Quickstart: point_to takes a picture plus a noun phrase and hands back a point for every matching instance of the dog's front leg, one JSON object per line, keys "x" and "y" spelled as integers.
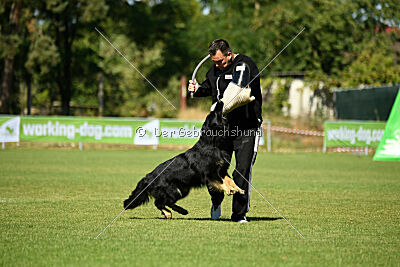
{"x": 228, "y": 186}
{"x": 220, "y": 186}
{"x": 233, "y": 188}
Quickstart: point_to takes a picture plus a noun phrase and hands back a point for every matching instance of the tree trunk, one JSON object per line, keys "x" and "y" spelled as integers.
{"x": 29, "y": 96}
{"x": 101, "y": 94}
{"x": 6, "y": 85}
{"x": 66, "y": 93}
{"x": 8, "y": 71}
{"x": 182, "y": 102}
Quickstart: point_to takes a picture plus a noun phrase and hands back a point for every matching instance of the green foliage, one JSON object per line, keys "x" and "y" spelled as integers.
{"x": 373, "y": 66}
{"x": 55, "y": 46}
{"x": 161, "y": 106}
{"x": 43, "y": 56}
{"x": 9, "y": 45}
{"x": 43, "y": 59}
{"x": 276, "y": 93}
{"x": 125, "y": 89}
{"x": 42, "y": 99}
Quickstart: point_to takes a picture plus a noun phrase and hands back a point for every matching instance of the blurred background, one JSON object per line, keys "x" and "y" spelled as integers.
{"x": 54, "y": 62}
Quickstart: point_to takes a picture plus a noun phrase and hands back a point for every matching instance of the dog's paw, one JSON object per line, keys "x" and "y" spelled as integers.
{"x": 241, "y": 191}
{"x": 235, "y": 190}
{"x": 167, "y": 214}
{"x": 232, "y": 187}
{"x": 185, "y": 212}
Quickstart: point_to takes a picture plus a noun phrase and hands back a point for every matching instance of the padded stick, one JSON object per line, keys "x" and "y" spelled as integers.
{"x": 196, "y": 69}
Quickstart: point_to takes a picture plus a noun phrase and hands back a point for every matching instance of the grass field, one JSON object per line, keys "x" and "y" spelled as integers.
{"x": 54, "y": 202}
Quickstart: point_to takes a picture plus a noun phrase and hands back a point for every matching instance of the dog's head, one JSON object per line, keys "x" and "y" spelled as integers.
{"x": 215, "y": 128}
{"x": 216, "y": 120}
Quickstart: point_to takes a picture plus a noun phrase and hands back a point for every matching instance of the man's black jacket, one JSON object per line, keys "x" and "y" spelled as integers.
{"x": 244, "y": 117}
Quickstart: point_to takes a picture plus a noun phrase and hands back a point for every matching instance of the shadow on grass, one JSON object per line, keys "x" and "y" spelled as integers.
{"x": 250, "y": 219}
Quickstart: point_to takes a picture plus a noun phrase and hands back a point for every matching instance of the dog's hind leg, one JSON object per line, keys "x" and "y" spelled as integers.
{"x": 164, "y": 211}
{"x": 178, "y": 209}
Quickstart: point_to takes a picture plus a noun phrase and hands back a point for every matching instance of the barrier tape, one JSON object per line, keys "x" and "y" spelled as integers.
{"x": 296, "y": 131}
{"x": 349, "y": 149}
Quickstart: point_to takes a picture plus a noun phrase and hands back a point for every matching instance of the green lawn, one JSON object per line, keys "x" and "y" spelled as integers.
{"x": 54, "y": 202}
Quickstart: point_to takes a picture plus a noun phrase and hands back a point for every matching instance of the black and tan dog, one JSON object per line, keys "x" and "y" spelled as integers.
{"x": 203, "y": 164}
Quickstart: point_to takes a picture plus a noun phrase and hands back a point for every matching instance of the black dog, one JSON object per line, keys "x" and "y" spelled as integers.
{"x": 203, "y": 164}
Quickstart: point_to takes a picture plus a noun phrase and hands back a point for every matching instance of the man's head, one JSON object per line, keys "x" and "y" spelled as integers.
{"x": 221, "y": 53}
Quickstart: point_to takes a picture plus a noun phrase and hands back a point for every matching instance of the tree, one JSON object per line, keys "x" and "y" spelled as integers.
{"x": 43, "y": 58}
{"x": 65, "y": 21}
{"x": 52, "y": 45}
{"x": 10, "y": 40}
{"x": 374, "y": 66}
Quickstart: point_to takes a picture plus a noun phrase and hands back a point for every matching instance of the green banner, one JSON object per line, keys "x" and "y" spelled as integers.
{"x": 109, "y": 130}
{"x": 353, "y": 133}
{"x": 179, "y": 132}
{"x": 99, "y": 130}
{"x": 79, "y": 129}
{"x": 389, "y": 147}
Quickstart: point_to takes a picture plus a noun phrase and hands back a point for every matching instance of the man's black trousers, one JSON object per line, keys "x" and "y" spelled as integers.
{"x": 245, "y": 147}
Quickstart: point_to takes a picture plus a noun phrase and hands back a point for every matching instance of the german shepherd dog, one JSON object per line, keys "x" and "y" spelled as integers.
{"x": 203, "y": 164}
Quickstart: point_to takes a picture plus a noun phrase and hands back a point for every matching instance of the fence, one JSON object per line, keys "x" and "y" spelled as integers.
{"x": 338, "y": 136}
{"x": 285, "y": 139}
{"x": 374, "y": 103}
{"x": 343, "y": 136}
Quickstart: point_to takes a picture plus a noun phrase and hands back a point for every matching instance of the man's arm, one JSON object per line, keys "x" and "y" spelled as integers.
{"x": 256, "y": 90}
{"x": 200, "y": 90}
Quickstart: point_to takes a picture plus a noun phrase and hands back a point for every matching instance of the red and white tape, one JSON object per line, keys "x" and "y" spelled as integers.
{"x": 350, "y": 149}
{"x": 296, "y": 131}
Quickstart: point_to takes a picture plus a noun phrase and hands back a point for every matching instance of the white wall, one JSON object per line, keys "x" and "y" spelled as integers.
{"x": 302, "y": 102}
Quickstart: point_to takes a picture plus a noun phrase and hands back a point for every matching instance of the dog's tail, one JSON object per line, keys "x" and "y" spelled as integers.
{"x": 138, "y": 196}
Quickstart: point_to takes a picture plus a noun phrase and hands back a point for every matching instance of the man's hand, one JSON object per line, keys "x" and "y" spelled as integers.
{"x": 193, "y": 86}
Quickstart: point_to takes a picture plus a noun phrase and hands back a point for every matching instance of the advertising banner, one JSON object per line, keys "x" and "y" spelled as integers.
{"x": 389, "y": 147}
{"x": 188, "y": 132}
{"x": 80, "y": 129}
{"x": 9, "y": 129}
{"x": 179, "y": 132}
{"x": 110, "y": 130}
{"x": 100, "y": 130}
{"x": 353, "y": 133}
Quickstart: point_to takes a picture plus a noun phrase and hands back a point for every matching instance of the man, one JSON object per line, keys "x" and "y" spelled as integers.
{"x": 244, "y": 122}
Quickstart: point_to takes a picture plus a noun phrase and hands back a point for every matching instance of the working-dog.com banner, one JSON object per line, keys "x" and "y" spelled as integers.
{"x": 353, "y": 133}
{"x": 104, "y": 130}
{"x": 100, "y": 130}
